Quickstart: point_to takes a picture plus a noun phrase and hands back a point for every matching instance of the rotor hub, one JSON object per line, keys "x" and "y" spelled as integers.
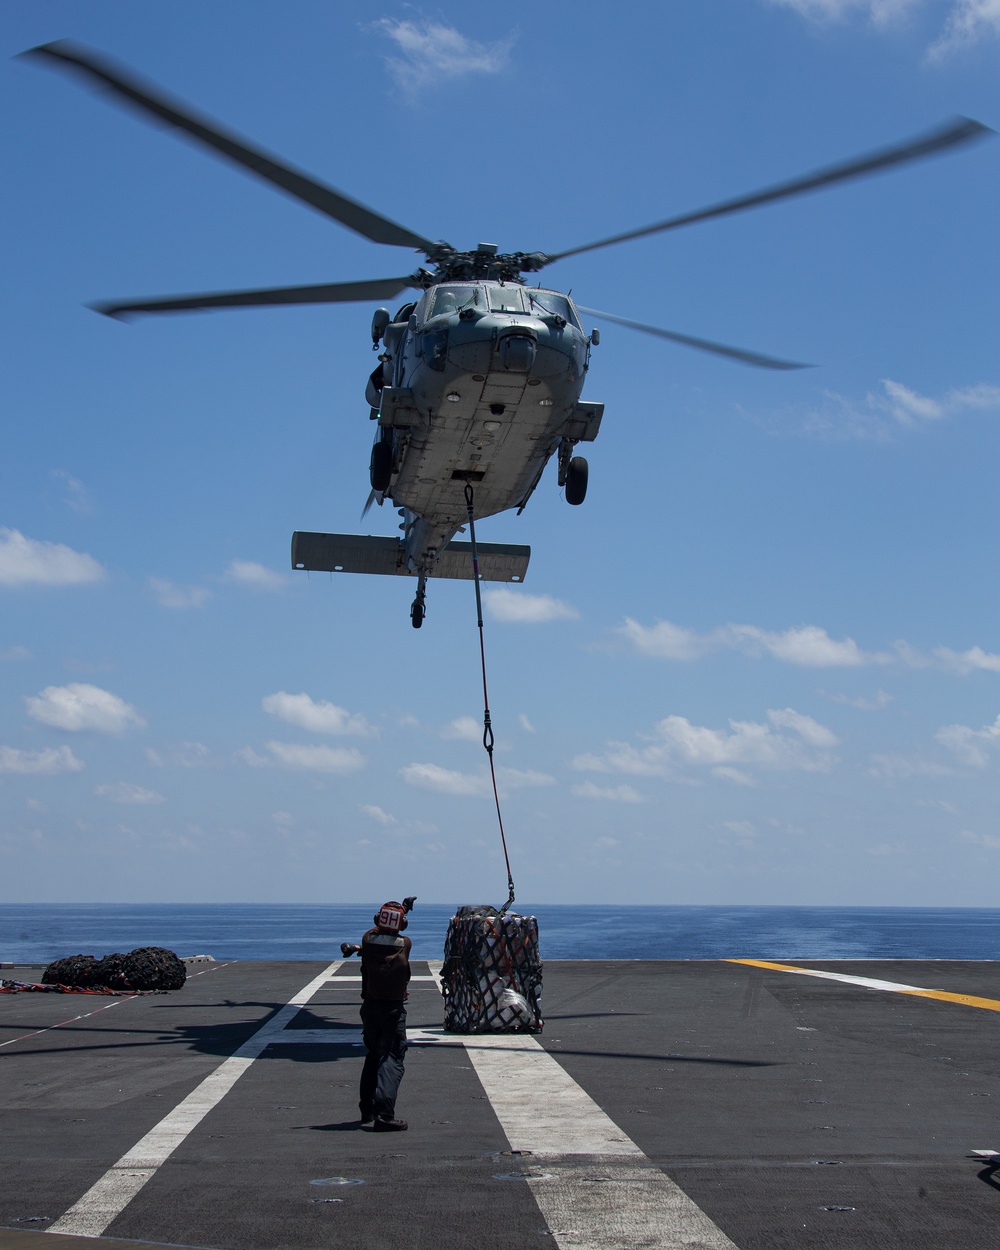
{"x": 481, "y": 265}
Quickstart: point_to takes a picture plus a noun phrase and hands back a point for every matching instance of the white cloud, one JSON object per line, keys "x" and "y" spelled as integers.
{"x": 806, "y": 646}
{"x": 377, "y": 814}
{"x": 126, "y": 792}
{"x": 34, "y": 562}
{"x": 965, "y": 662}
{"x": 971, "y": 747}
{"x": 876, "y": 704}
{"x": 517, "y": 607}
{"x": 909, "y": 408}
{"x": 887, "y": 848}
{"x": 676, "y": 745}
{"x": 255, "y": 760}
{"x": 879, "y": 12}
{"x": 169, "y": 595}
{"x": 943, "y": 805}
{"x": 989, "y": 840}
{"x": 182, "y": 754}
{"x": 317, "y": 759}
{"x": 39, "y": 763}
{"x": 450, "y": 781}
{"x": 736, "y": 775}
{"x": 898, "y": 767}
{"x": 318, "y": 717}
{"x": 432, "y": 53}
{"x": 613, "y": 794}
{"x": 809, "y": 730}
{"x": 256, "y": 576}
{"x": 79, "y": 707}
{"x": 968, "y": 22}
{"x": 465, "y": 728}
{"x": 13, "y": 654}
{"x": 667, "y": 641}
{"x": 526, "y": 724}
{"x": 77, "y": 495}
{"x": 879, "y": 417}
{"x": 518, "y": 779}
{"x": 444, "y": 780}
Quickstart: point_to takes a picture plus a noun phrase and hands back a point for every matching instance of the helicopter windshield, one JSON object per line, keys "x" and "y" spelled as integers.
{"x": 449, "y": 299}
{"x": 505, "y": 299}
{"x": 553, "y": 303}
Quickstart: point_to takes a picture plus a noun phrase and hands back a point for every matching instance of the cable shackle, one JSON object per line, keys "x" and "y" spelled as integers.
{"x": 488, "y": 739}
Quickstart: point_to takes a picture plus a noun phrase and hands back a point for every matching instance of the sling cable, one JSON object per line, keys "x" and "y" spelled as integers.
{"x": 487, "y": 723}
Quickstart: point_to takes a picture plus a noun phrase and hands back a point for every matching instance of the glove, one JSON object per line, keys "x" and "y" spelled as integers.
{"x": 347, "y": 950}
{"x": 408, "y": 902}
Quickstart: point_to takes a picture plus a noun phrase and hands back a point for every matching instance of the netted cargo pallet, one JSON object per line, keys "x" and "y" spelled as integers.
{"x": 145, "y": 968}
{"x": 492, "y": 975}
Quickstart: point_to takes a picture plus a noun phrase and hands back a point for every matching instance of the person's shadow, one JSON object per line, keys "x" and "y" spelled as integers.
{"x": 989, "y": 1174}
{"x": 344, "y": 1126}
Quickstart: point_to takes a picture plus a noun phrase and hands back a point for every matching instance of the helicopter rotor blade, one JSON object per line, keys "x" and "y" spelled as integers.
{"x": 953, "y": 134}
{"x": 324, "y": 293}
{"x": 374, "y": 496}
{"x": 702, "y": 345}
{"x": 150, "y": 101}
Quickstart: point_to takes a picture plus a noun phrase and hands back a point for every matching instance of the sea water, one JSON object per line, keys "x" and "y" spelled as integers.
{"x": 37, "y": 933}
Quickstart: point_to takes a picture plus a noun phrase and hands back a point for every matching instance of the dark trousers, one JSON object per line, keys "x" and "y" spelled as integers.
{"x": 384, "y": 1031}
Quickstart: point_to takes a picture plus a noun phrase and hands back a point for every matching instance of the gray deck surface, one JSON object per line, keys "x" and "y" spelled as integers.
{"x": 737, "y": 1082}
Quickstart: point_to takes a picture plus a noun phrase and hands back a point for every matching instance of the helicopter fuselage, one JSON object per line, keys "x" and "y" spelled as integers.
{"x": 479, "y": 379}
{"x": 480, "y": 383}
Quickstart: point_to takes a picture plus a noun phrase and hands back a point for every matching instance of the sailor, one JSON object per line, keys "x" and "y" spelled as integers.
{"x": 385, "y": 973}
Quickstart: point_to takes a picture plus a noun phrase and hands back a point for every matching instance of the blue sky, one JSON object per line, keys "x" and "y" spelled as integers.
{"x": 761, "y": 663}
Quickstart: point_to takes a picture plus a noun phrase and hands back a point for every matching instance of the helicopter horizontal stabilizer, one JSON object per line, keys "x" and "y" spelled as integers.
{"x": 361, "y": 553}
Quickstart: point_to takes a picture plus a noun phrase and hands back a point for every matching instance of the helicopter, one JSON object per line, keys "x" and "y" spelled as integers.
{"x": 479, "y": 379}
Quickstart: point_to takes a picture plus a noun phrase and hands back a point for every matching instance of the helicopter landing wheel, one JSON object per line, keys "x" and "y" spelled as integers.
{"x": 380, "y": 467}
{"x": 576, "y": 480}
{"x": 417, "y": 613}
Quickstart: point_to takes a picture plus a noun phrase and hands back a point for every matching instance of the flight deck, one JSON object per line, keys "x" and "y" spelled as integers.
{"x": 699, "y": 1104}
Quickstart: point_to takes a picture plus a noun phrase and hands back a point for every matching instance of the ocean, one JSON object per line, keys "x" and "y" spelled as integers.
{"x": 37, "y": 933}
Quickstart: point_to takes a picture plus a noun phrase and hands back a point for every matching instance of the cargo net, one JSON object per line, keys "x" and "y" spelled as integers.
{"x": 492, "y": 975}
{"x": 147, "y": 969}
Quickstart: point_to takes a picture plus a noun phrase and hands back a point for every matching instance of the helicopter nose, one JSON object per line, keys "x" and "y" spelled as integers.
{"x": 517, "y": 353}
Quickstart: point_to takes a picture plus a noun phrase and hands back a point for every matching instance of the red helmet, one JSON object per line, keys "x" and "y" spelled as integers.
{"x": 390, "y": 917}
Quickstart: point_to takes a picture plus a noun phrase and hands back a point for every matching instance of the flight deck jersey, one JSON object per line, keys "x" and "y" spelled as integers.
{"x": 385, "y": 966}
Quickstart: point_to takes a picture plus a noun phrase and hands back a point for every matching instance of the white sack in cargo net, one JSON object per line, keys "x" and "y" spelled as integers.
{"x": 492, "y": 975}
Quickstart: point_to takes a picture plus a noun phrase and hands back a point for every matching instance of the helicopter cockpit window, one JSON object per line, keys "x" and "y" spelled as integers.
{"x": 449, "y": 299}
{"x": 554, "y": 304}
{"x": 505, "y": 299}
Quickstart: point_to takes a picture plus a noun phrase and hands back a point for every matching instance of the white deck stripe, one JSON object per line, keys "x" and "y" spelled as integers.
{"x": 106, "y": 1199}
{"x": 595, "y": 1188}
{"x": 338, "y": 980}
{"x": 870, "y": 983}
{"x": 541, "y": 1107}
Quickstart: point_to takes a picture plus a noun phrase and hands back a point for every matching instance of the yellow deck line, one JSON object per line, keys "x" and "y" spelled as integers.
{"x": 944, "y": 996}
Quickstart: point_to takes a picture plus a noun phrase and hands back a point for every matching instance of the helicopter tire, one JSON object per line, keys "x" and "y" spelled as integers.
{"x": 417, "y": 612}
{"x": 380, "y": 466}
{"x": 576, "y": 480}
